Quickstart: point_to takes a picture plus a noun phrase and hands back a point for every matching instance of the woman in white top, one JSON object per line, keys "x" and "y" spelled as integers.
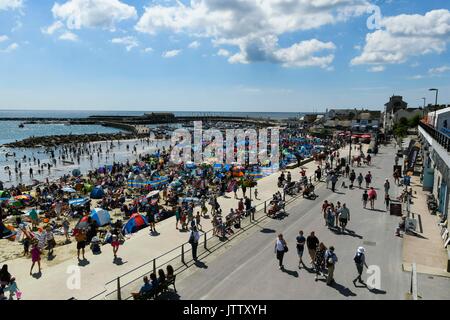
{"x": 280, "y": 249}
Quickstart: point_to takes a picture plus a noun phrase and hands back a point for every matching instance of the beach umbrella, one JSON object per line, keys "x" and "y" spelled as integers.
{"x": 14, "y": 203}
{"x": 153, "y": 193}
{"x": 24, "y": 197}
{"x": 6, "y": 232}
{"x": 135, "y": 223}
{"x": 101, "y": 216}
{"x": 76, "y": 172}
{"x": 68, "y": 190}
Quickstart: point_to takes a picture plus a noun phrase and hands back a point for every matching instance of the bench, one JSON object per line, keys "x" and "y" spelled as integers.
{"x": 154, "y": 293}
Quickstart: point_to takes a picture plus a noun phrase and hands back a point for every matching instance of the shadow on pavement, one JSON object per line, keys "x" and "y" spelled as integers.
{"x": 37, "y": 275}
{"x": 377, "y": 291}
{"x": 83, "y": 263}
{"x": 266, "y": 230}
{"x": 118, "y": 261}
{"x": 347, "y": 232}
{"x": 346, "y": 292}
{"x": 200, "y": 264}
{"x": 290, "y": 272}
{"x": 154, "y": 233}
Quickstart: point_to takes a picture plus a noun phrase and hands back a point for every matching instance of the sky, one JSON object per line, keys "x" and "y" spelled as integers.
{"x": 222, "y": 55}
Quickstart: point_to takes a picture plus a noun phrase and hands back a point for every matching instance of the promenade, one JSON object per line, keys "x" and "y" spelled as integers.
{"x": 249, "y": 270}
{"x": 139, "y": 249}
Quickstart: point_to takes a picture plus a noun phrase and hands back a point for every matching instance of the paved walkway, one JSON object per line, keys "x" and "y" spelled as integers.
{"x": 139, "y": 249}
{"x": 248, "y": 270}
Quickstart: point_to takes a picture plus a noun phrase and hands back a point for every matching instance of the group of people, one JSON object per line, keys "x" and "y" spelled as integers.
{"x": 155, "y": 283}
{"x": 323, "y": 259}
{"x": 336, "y": 216}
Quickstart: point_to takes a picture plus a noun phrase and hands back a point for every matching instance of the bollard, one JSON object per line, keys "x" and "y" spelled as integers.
{"x": 119, "y": 295}
{"x": 154, "y": 266}
{"x": 265, "y": 206}
{"x": 205, "y": 241}
{"x": 284, "y": 195}
{"x": 182, "y": 254}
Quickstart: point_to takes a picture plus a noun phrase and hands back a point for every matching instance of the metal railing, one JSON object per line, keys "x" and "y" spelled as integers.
{"x": 441, "y": 138}
{"x": 209, "y": 241}
{"x": 178, "y": 258}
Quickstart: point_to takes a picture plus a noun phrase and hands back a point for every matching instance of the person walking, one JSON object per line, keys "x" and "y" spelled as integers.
{"x": 360, "y": 262}
{"x": 235, "y": 189}
{"x": 331, "y": 259}
{"x": 344, "y": 217}
{"x": 368, "y": 179}
{"x": 360, "y": 180}
{"x": 365, "y": 197}
{"x": 334, "y": 180}
{"x": 319, "y": 261}
{"x": 280, "y": 249}
{"x": 115, "y": 245}
{"x": 387, "y": 186}
{"x": 387, "y": 201}
{"x": 35, "y": 258}
{"x": 312, "y": 242}
{"x": 194, "y": 237}
{"x": 300, "y": 248}
{"x": 372, "y": 197}
{"x": 198, "y": 221}
{"x": 352, "y": 178}
{"x": 324, "y": 211}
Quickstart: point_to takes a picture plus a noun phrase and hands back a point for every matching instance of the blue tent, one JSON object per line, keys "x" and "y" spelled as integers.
{"x": 101, "y": 216}
{"x": 97, "y": 193}
{"x": 78, "y": 202}
{"x": 135, "y": 223}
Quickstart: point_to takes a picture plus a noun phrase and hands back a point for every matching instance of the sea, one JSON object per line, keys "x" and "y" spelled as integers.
{"x": 10, "y": 132}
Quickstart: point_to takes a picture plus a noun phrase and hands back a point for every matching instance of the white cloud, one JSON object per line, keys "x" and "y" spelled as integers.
{"x": 416, "y": 77}
{"x": 223, "y": 53}
{"x": 103, "y": 14}
{"x": 439, "y": 70}
{"x": 405, "y": 36}
{"x": 377, "y": 69}
{"x": 57, "y": 25}
{"x": 10, "y": 4}
{"x": 12, "y": 47}
{"x": 194, "y": 45}
{"x": 128, "y": 42}
{"x": 254, "y": 25}
{"x": 68, "y": 36}
{"x": 148, "y": 50}
{"x": 4, "y": 38}
{"x": 171, "y": 53}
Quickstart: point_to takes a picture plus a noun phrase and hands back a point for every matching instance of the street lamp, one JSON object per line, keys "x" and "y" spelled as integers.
{"x": 424, "y": 103}
{"x": 435, "y": 105}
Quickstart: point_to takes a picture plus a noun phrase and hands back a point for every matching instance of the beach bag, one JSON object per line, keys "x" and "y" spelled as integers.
{"x": 191, "y": 238}
{"x": 286, "y": 249}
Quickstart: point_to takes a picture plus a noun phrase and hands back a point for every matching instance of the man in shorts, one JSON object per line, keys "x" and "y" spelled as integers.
{"x": 81, "y": 242}
{"x": 300, "y": 248}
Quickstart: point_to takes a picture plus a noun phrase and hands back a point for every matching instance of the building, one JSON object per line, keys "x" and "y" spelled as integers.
{"x": 395, "y": 104}
{"x": 366, "y": 121}
{"x": 436, "y": 160}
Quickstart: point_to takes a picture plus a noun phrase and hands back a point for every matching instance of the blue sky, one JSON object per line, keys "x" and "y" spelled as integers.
{"x": 221, "y": 55}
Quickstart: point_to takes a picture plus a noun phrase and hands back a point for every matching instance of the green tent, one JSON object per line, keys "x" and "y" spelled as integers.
{"x": 4, "y": 194}
{"x": 88, "y": 187}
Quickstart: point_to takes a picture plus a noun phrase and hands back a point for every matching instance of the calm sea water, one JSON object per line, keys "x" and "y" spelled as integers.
{"x": 82, "y": 114}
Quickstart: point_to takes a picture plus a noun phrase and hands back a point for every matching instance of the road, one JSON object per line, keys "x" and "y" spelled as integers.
{"x": 249, "y": 270}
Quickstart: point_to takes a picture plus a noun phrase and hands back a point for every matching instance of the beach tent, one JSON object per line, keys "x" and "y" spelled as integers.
{"x": 88, "y": 187}
{"x": 76, "y": 172}
{"x": 101, "y": 216}
{"x": 97, "y": 193}
{"x": 190, "y": 165}
{"x": 4, "y": 194}
{"x": 33, "y": 214}
{"x": 68, "y": 190}
{"x": 78, "y": 202}
{"x": 135, "y": 223}
{"x": 83, "y": 223}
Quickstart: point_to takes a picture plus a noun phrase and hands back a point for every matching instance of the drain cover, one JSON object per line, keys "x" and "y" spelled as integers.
{"x": 370, "y": 243}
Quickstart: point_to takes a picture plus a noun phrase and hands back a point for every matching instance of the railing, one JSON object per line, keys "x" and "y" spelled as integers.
{"x": 441, "y": 138}
{"x": 179, "y": 257}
